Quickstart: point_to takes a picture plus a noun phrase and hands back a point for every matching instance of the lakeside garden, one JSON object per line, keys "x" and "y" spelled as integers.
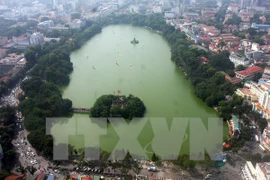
{"x": 51, "y": 68}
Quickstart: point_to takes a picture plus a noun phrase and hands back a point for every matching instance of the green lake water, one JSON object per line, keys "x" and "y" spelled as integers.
{"x": 109, "y": 62}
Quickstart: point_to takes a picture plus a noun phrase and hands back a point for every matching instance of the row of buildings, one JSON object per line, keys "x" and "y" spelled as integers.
{"x": 22, "y": 42}
{"x": 258, "y": 3}
{"x": 257, "y": 94}
{"x": 261, "y": 171}
{"x": 39, "y": 175}
{"x": 10, "y": 65}
{"x": 73, "y": 24}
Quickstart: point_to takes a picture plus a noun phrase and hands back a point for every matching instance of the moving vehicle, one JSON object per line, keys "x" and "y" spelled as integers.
{"x": 56, "y": 171}
{"x": 152, "y": 169}
{"x": 256, "y": 138}
{"x": 262, "y": 148}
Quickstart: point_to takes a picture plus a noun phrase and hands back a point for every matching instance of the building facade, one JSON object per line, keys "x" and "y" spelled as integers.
{"x": 263, "y": 171}
{"x": 248, "y": 171}
{"x": 77, "y": 24}
{"x": 260, "y": 27}
{"x": 248, "y": 73}
{"x": 244, "y": 4}
{"x": 36, "y": 39}
{"x": 45, "y": 24}
{"x": 237, "y": 59}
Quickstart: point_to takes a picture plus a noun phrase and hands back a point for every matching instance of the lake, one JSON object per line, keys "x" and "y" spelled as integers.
{"x": 108, "y": 64}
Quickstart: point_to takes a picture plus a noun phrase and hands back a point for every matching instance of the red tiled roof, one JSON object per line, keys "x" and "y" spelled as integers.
{"x": 203, "y": 59}
{"x": 86, "y": 178}
{"x": 204, "y": 38}
{"x": 232, "y": 50}
{"x": 246, "y": 91}
{"x": 249, "y": 71}
{"x": 235, "y": 80}
{"x": 14, "y": 177}
{"x": 39, "y": 176}
{"x": 245, "y": 19}
{"x": 235, "y": 42}
{"x": 266, "y": 85}
{"x": 5, "y": 78}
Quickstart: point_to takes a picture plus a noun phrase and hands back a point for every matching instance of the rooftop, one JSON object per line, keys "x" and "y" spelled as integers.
{"x": 249, "y": 71}
{"x": 203, "y": 59}
{"x": 266, "y": 85}
{"x": 14, "y": 177}
{"x": 246, "y": 91}
{"x": 265, "y": 168}
{"x": 234, "y": 5}
{"x": 40, "y": 176}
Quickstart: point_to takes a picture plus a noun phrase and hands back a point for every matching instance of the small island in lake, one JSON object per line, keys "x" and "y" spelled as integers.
{"x": 134, "y": 41}
{"x": 118, "y": 106}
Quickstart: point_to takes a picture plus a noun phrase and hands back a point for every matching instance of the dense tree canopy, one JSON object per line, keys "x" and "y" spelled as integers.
{"x": 126, "y": 107}
{"x": 75, "y": 16}
{"x": 42, "y": 97}
{"x": 7, "y": 133}
{"x": 236, "y": 20}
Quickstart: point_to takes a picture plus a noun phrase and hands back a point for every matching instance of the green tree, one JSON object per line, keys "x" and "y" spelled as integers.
{"x": 155, "y": 158}
{"x": 75, "y": 16}
{"x": 240, "y": 68}
{"x": 44, "y": 19}
{"x": 251, "y": 32}
{"x": 256, "y": 158}
{"x": 137, "y": 168}
{"x": 234, "y": 20}
{"x": 266, "y": 158}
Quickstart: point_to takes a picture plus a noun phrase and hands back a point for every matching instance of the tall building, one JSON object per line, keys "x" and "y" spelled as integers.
{"x": 248, "y": 171}
{"x": 36, "y": 39}
{"x": 55, "y": 4}
{"x": 245, "y": 3}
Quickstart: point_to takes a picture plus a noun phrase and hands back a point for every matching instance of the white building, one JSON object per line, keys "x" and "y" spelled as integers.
{"x": 46, "y": 24}
{"x": 255, "y": 47}
{"x": 36, "y": 39}
{"x": 55, "y": 4}
{"x": 263, "y": 171}
{"x": 262, "y": 92}
{"x": 21, "y": 63}
{"x": 248, "y": 172}
{"x": 157, "y": 9}
{"x": 169, "y": 15}
{"x": 237, "y": 59}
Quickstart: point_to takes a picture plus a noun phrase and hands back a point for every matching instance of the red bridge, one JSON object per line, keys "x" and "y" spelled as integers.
{"x": 81, "y": 110}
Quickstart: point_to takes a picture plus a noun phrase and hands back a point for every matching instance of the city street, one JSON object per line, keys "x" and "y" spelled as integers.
{"x": 27, "y": 155}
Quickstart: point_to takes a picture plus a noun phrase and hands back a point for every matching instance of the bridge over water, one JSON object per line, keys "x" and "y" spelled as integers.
{"x": 81, "y": 110}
